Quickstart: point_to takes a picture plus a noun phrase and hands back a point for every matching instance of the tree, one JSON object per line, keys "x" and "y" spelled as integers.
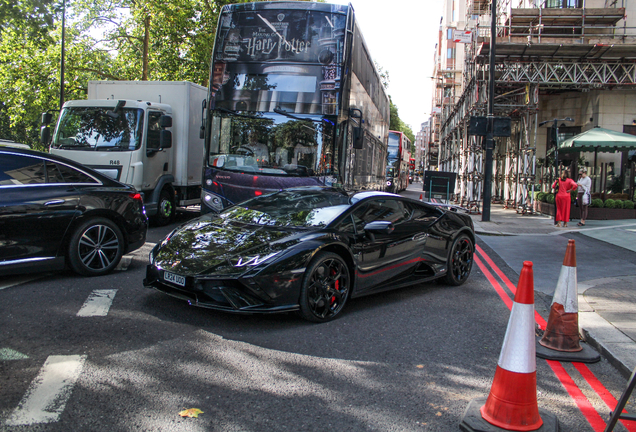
{"x": 29, "y": 78}
{"x": 35, "y": 17}
{"x": 397, "y": 124}
{"x": 384, "y": 75}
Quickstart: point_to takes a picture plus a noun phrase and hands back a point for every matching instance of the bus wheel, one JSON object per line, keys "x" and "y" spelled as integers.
{"x": 165, "y": 209}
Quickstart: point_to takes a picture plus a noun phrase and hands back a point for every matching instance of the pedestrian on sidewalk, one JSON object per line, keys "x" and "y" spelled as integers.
{"x": 583, "y": 196}
{"x": 562, "y": 187}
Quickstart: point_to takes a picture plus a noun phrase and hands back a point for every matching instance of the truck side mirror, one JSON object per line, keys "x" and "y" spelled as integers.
{"x": 47, "y": 118}
{"x": 45, "y": 135}
{"x": 358, "y": 137}
{"x": 165, "y": 138}
{"x": 165, "y": 121}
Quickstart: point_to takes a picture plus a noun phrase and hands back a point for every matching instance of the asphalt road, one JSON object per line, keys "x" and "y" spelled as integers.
{"x": 407, "y": 360}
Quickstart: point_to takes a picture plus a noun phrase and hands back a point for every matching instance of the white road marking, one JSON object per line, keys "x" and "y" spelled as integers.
{"x": 98, "y": 303}
{"x": 48, "y": 393}
{"x": 9, "y": 354}
{"x": 124, "y": 263}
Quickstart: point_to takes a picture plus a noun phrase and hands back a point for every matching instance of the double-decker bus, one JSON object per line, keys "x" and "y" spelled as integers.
{"x": 397, "y": 167}
{"x": 294, "y": 100}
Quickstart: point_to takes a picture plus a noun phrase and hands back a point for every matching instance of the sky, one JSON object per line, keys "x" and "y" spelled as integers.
{"x": 401, "y": 37}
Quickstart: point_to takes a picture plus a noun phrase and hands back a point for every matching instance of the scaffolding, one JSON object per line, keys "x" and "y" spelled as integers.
{"x": 539, "y": 51}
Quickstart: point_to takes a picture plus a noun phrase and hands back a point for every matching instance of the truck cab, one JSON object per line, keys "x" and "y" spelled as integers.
{"x": 127, "y": 140}
{"x": 142, "y": 133}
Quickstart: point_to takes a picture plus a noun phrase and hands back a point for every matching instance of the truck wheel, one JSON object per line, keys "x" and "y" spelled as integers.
{"x": 96, "y": 247}
{"x": 165, "y": 209}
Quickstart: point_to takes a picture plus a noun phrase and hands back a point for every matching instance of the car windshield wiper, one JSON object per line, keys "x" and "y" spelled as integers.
{"x": 236, "y": 113}
{"x": 286, "y": 114}
{"x": 72, "y": 146}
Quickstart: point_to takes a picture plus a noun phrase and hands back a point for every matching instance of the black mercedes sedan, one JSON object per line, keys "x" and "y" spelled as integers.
{"x": 55, "y": 212}
{"x": 310, "y": 250}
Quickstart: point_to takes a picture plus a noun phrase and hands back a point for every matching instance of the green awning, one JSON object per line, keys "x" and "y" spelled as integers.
{"x": 603, "y": 140}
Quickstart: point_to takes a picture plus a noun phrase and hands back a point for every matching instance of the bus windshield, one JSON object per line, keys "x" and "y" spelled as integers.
{"x": 285, "y": 58}
{"x": 394, "y": 145}
{"x": 97, "y": 128}
{"x": 271, "y": 144}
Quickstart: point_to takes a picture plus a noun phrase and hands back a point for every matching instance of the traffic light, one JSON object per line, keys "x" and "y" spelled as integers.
{"x": 502, "y": 126}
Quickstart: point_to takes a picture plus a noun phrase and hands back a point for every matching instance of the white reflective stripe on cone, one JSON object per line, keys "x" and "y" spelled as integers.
{"x": 518, "y": 351}
{"x": 567, "y": 291}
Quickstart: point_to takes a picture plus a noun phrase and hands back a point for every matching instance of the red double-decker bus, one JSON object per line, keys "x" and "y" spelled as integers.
{"x": 397, "y": 167}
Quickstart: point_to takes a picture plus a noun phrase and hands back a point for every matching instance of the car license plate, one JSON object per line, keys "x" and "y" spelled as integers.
{"x": 174, "y": 278}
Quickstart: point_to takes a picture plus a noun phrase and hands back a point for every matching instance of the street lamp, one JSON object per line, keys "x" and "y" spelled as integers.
{"x": 62, "y": 55}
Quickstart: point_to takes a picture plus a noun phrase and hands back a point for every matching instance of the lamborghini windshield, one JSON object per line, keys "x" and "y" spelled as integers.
{"x": 309, "y": 207}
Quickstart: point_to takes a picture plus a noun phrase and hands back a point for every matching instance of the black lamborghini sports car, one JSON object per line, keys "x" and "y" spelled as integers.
{"x": 310, "y": 250}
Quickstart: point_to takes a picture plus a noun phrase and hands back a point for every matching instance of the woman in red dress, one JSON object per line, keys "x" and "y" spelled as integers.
{"x": 563, "y": 186}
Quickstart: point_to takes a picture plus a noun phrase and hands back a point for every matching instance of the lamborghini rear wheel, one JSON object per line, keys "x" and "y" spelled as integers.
{"x": 460, "y": 261}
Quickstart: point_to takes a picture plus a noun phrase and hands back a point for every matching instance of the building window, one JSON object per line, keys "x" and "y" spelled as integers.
{"x": 450, "y": 53}
{"x": 449, "y": 34}
{"x": 563, "y": 4}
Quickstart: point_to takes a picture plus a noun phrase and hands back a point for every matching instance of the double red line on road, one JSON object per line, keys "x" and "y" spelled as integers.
{"x": 583, "y": 403}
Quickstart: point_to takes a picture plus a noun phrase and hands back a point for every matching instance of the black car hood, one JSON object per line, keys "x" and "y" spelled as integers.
{"x": 219, "y": 248}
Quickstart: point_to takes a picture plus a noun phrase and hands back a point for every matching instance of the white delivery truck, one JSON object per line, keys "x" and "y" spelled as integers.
{"x": 142, "y": 133}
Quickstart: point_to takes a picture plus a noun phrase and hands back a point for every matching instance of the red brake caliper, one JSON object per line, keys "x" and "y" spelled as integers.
{"x": 333, "y": 298}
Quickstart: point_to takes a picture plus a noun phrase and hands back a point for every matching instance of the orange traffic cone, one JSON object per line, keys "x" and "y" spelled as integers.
{"x": 512, "y": 402}
{"x": 420, "y": 197}
{"x": 562, "y": 330}
{"x": 561, "y": 340}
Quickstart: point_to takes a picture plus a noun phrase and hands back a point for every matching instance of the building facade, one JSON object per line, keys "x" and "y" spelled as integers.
{"x": 555, "y": 59}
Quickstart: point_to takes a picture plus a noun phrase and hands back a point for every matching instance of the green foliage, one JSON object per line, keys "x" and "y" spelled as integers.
{"x": 541, "y": 196}
{"x": 627, "y": 204}
{"x": 33, "y": 17}
{"x": 618, "y": 204}
{"x": 609, "y": 203}
{"x": 550, "y": 198}
{"x": 596, "y": 202}
{"x": 384, "y": 75}
{"x": 617, "y": 185}
{"x": 573, "y": 194}
{"x": 397, "y": 124}
{"x": 29, "y": 79}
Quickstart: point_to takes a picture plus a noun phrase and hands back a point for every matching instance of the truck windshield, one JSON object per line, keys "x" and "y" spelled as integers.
{"x": 272, "y": 144}
{"x": 99, "y": 129}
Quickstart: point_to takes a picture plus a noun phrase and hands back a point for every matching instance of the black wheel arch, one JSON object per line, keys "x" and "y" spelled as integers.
{"x": 343, "y": 251}
{"x": 467, "y": 231}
